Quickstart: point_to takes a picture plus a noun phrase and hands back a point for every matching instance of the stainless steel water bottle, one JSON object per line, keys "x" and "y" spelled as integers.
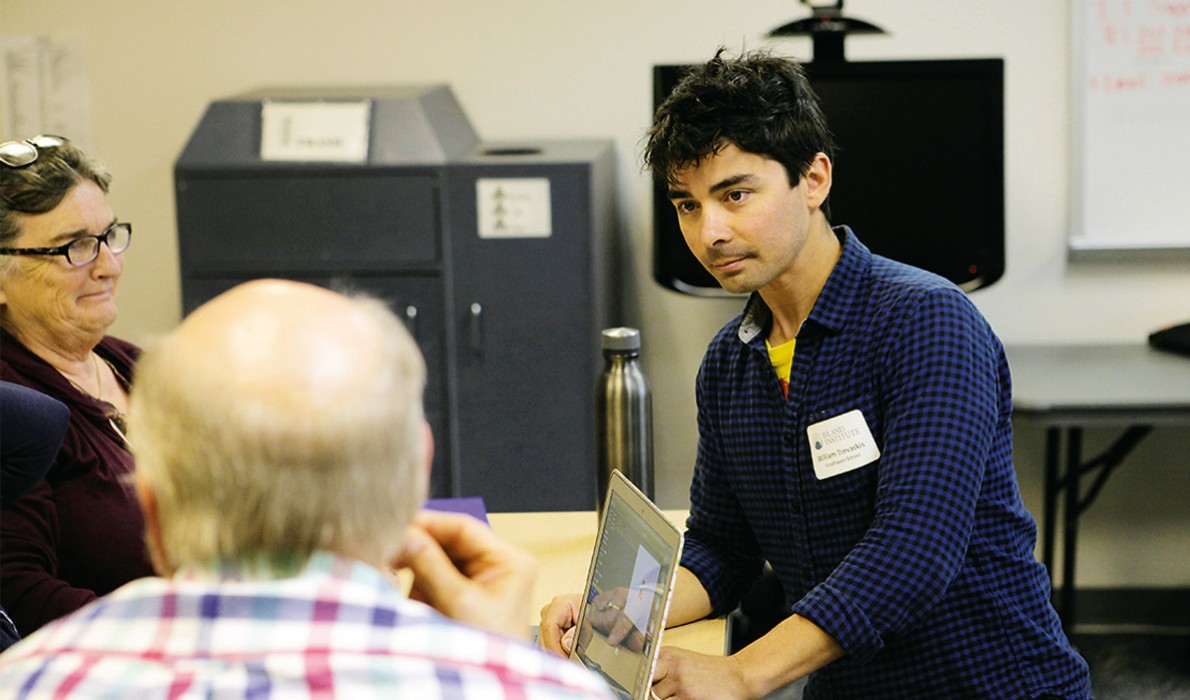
{"x": 623, "y": 414}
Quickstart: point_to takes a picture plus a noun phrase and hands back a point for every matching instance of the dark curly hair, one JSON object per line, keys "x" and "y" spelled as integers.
{"x": 759, "y": 102}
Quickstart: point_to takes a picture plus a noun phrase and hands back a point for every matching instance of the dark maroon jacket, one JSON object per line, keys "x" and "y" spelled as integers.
{"x": 79, "y": 532}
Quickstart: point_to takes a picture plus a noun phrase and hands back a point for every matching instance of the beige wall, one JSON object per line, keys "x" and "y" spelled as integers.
{"x": 555, "y": 68}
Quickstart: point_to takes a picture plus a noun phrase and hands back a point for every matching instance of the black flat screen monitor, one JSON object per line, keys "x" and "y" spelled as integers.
{"x": 918, "y": 174}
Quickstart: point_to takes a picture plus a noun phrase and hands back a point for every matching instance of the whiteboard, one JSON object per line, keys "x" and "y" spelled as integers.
{"x": 1130, "y": 126}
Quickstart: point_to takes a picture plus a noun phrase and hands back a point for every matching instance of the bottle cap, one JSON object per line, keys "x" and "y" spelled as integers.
{"x": 621, "y": 339}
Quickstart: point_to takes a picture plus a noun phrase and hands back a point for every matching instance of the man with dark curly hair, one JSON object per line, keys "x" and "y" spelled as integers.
{"x": 854, "y": 433}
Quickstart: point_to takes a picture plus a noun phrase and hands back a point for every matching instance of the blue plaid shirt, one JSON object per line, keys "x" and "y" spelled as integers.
{"x": 920, "y": 564}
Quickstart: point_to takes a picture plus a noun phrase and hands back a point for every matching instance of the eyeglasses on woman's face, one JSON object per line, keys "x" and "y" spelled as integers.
{"x": 84, "y": 249}
{"x": 19, "y": 153}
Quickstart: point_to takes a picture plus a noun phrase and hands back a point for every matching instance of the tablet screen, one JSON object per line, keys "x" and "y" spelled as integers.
{"x": 627, "y": 598}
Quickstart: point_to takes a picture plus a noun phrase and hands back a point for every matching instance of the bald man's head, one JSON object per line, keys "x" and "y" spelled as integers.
{"x": 292, "y": 345}
{"x": 279, "y": 419}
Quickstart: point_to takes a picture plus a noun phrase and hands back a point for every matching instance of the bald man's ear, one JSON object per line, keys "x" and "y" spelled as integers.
{"x": 148, "y": 506}
{"x": 428, "y": 436}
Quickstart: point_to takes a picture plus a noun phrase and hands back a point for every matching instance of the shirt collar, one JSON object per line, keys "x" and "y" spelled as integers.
{"x": 320, "y": 564}
{"x": 833, "y": 307}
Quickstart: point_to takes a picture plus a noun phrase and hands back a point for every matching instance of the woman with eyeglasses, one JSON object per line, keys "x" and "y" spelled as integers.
{"x": 78, "y": 533}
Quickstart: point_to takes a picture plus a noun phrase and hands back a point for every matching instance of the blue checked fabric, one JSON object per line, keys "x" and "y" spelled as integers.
{"x": 919, "y": 564}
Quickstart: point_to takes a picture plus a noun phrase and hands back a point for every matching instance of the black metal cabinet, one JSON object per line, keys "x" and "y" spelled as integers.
{"x": 528, "y": 312}
{"x": 508, "y": 323}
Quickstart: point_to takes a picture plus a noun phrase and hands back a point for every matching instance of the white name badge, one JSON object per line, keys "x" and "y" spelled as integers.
{"x": 840, "y": 444}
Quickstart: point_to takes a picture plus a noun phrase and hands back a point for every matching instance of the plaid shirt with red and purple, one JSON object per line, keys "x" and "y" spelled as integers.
{"x": 336, "y": 629}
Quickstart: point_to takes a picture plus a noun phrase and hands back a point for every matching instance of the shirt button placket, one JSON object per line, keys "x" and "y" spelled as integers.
{"x": 790, "y": 441}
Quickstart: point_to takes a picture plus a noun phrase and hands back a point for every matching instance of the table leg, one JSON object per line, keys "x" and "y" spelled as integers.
{"x": 1049, "y": 513}
{"x": 1057, "y": 478}
{"x": 1070, "y": 514}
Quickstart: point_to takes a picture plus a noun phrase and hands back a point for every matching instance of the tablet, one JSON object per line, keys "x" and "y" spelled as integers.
{"x": 629, "y": 585}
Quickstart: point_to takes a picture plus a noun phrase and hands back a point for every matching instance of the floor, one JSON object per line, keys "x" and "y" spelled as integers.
{"x": 1139, "y": 665}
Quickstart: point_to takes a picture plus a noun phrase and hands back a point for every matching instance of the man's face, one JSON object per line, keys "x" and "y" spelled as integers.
{"x": 742, "y": 219}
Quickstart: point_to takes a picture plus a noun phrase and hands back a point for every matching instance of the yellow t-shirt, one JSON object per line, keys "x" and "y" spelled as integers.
{"x": 781, "y": 358}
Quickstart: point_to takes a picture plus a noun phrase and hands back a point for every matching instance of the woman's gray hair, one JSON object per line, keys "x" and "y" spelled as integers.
{"x": 41, "y": 186}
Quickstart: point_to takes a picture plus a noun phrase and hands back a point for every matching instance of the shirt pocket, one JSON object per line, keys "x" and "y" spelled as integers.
{"x": 856, "y": 483}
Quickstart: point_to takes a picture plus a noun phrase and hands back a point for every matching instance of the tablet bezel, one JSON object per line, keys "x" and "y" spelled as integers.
{"x": 655, "y": 520}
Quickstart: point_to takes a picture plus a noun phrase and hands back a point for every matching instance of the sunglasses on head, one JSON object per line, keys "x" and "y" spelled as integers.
{"x": 19, "y": 153}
